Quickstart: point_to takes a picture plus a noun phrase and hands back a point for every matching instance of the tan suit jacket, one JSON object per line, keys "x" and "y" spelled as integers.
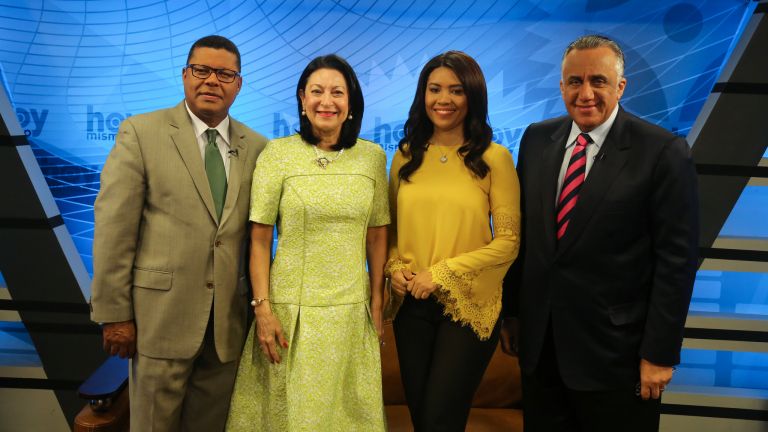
{"x": 160, "y": 256}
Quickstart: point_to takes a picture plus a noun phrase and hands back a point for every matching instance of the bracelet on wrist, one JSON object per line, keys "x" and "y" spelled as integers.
{"x": 258, "y": 300}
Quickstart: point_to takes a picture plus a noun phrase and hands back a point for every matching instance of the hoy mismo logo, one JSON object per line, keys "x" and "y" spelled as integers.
{"x": 103, "y": 126}
{"x": 32, "y": 120}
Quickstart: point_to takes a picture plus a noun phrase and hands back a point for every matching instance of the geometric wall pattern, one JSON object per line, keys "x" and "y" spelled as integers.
{"x": 75, "y": 69}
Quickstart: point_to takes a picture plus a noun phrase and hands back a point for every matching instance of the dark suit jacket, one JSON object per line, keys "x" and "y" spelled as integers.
{"x": 616, "y": 288}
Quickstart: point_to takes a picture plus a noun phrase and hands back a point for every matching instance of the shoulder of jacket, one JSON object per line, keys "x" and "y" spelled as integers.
{"x": 157, "y": 116}
{"x": 549, "y": 124}
{"x": 650, "y": 130}
{"x": 251, "y": 134}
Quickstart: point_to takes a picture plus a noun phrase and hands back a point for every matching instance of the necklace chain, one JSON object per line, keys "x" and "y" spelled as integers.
{"x": 443, "y": 156}
{"x": 324, "y": 161}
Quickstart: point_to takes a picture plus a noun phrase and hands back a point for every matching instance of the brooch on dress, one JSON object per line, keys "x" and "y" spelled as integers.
{"x": 323, "y": 161}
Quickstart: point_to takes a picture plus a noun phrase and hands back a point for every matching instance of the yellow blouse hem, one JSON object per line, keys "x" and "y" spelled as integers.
{"x": 454, "y": 293}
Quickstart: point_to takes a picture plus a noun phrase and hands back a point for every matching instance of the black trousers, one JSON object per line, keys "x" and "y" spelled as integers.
{"x": 441, "y": 364}
{"x": 550, "y": 406}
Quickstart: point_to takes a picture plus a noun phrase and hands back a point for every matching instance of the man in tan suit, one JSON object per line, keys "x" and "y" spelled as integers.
{"x": 169, "y": 279}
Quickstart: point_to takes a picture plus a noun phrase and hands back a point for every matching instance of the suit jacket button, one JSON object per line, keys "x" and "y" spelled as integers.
{"x": 209, "y": 285}
{"x": 218, "y": 243}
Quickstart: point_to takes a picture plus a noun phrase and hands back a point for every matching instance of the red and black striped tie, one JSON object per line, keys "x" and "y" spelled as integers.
{"x": 572, "y": 182}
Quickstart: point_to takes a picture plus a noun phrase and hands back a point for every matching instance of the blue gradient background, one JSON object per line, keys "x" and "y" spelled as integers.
{"x": 75, "y": 69}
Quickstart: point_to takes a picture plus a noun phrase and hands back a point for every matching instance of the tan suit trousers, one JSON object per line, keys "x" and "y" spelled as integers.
{"x": 181, "y": 394}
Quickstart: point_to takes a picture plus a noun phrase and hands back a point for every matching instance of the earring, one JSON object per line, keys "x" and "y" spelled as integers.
{"x": 304, "y": 113}
{"x": 350, "y": 117}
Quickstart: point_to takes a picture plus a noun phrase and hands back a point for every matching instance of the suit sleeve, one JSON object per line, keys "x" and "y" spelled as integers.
{"x": 117, "y": 211}
{"x": 514, "y": 277}
{"x": 675, "y": 228}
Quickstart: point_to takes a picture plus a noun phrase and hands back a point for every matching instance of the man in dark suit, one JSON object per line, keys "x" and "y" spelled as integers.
{"x": 608, "y": 259}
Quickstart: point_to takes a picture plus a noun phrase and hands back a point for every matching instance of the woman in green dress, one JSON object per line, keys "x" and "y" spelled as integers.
{"x": 312, "y": 362}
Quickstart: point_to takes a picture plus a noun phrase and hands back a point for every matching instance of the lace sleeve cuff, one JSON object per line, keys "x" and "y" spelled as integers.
{"x": 393, "y": 265}
{"x": 455, "y": 294}
{"x": 506, "y": 224}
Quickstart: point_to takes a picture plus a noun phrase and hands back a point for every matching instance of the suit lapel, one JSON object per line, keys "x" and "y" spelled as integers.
{"x": 608, "y": 164}
{"x": 552, "y": 158}
{"x": 183, "y": 136}
{"x": 236, "y": 165}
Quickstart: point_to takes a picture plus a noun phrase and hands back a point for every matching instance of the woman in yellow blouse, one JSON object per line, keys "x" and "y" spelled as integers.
{"x": 455, "y": 203}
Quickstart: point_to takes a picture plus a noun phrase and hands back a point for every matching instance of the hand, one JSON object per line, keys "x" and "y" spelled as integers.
{"x": 399, "y": 280}
{"x": 509, "y": 336}
{"x": 421, "y": 285}
{"x": 653, "y": 379}
{"x": 120, "y": 338}
{"x": 270, "y": 333}
{"x": 377, "y": 314}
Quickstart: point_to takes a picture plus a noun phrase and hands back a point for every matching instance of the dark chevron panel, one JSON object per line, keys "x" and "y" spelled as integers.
{"x": 40, "y": 264}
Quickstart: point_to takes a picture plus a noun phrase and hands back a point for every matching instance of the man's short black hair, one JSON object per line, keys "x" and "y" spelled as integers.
{"x": 216, "y": 42}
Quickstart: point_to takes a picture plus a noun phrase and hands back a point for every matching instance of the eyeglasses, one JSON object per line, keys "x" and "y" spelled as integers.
{"x": 203, "y": 72}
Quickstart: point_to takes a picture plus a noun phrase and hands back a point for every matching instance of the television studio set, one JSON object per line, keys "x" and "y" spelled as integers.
{"x": 384, "y": 215}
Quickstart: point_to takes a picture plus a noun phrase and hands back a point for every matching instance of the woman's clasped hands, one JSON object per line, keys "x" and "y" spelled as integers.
{"x": 419, "y": 285}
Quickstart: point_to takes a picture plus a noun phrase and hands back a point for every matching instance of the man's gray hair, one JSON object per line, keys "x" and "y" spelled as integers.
{"x": 597, "y": 41}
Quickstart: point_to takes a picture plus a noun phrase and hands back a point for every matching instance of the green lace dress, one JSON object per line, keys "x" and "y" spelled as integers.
{"x": 329, "y": 378}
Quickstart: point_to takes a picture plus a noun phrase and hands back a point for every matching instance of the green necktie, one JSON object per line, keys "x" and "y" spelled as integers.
{"x": 217, "y": 175}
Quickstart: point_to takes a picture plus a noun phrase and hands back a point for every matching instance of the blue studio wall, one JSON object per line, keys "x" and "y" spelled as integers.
{"x": 75, "y": 69}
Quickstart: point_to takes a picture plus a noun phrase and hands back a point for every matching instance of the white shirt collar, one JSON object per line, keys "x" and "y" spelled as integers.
{"x": 597, "y": 134}
{"x": 201, "y": 127}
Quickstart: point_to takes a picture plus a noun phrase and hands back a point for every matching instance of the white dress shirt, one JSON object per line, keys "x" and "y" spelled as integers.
{"x": 221, "y": 138}
{"x": 598, "y": 136}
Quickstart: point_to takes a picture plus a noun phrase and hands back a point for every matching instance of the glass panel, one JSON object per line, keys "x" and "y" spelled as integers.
{"x": 74, "y": 187}
{"x": 730, "y": 292}
{"x": 749, "y": 215}
{"x": 16, "y": 347}
{"x": 747, "y": 370}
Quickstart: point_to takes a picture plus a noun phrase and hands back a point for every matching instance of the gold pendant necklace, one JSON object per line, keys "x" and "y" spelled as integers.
{"x": 444, "y": 156}
{"x": 324, "y": 161}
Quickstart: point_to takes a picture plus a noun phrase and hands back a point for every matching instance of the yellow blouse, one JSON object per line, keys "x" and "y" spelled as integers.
{"x": 440, "y": 222}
